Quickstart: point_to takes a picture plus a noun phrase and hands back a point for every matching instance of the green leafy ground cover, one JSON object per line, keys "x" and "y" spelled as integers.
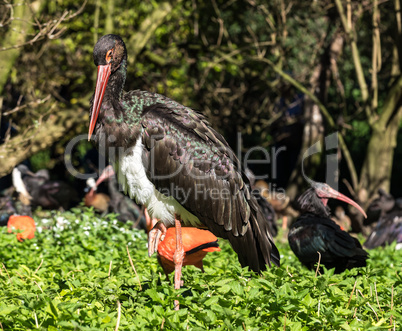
{"x": 60, "y": 281}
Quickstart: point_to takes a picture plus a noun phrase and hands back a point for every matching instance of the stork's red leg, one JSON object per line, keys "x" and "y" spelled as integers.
{"x": 178, "y": 258}
{"x": 157, "y": 234}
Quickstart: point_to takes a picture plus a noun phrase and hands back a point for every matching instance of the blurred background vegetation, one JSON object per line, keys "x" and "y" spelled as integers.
{"x": 282, "y": 73}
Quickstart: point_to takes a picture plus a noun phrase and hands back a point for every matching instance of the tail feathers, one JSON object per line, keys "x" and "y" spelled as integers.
{"x": 256, "y": 248}
{"x": 357, "y": 261}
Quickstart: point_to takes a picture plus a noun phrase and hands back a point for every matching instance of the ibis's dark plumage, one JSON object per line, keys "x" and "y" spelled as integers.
{"x": 314, "y": 232}
{"x": 47, "y": 193}
{"x": 389, "y": 226}
{"x": 190, "y": 170}
{"x": 381, "y": 205}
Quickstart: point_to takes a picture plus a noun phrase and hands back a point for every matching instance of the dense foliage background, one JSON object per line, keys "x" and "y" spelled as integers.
{"x": 242, "y": 63}
{"x": 282, "y": 73}
{"x": 65, "y": 279}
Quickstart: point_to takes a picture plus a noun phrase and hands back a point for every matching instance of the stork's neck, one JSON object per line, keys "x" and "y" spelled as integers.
{"x": 114, "y": 88}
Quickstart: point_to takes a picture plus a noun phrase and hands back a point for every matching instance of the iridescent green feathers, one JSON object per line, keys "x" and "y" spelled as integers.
{"x": 184, "y": 158}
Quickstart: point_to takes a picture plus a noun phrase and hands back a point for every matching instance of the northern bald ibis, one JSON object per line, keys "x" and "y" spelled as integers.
{"x": 39, "y": 190}
{"x": 172, "y": 161}
{"x": 7, "y": 209}
{"x": 125, "y": 208}
{"x": 381, "y": 205}
{"x": 279, "y": 201}
{"x": 315, "y": 232}
{"x": 266, "y": 208}
{"x": 389, "y": 226}
{"x": 342, "y": 219}
{"x": 100, "y": 201}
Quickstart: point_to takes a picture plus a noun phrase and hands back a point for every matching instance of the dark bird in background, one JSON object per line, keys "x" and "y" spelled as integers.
{"x": 279, "y": 201}
{"x": 175, "y": 164}
{"x": 7, "y": 209}
{"x": 342, "y": 219}
{"x": 39, "y": 190}
{"x": 314, "y": 231}
{"x": 266, "y": 208}
{"x": 125, "y": 208}
{"x": 381, "y": 205}
{"x": 268, "y": 212}
{"x": 100, "y": 201}
{"x": 389, "y": 226}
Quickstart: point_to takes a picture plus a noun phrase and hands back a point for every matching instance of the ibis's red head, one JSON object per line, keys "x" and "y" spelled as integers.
{"x": 325, "y": 192}
{"x": 106, "y": 174}
{"x": 109, "y": 54}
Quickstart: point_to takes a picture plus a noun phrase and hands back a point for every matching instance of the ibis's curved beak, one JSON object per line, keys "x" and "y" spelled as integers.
{"x": 326, "y": 192}
{"x": 101, "y": 83}
{"x": 106, "y": 173}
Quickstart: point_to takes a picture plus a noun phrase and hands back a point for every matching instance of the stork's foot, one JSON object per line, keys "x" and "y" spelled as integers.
{"x": 156, "y": 235}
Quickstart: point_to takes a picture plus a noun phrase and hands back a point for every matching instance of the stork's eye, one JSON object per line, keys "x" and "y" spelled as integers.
{"x": 109, "y": 55}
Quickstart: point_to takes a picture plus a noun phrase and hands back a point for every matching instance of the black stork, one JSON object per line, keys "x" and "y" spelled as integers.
{"x": 314, "y": 231}
{"x": 175, "y": 164}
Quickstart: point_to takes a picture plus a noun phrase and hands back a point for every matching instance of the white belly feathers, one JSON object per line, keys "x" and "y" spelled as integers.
{"x": 132, "y": 176}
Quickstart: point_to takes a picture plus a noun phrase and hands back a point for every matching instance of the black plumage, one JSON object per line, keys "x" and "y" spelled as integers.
{"x": 47, "y": 193}
{"x": 389, "y": 226}
{"x": 184, "y": 157}
{"x": 314, "y": 232}
{"x": 381, "y": 205}
{"x": 268, "y": 212}
{"x": 7, "y": 209}
{"x": 266, "y": 208}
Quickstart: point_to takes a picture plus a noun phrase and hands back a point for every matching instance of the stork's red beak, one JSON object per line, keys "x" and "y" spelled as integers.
{"x": 101, "y": 83}
{"x": 324, "y": 191}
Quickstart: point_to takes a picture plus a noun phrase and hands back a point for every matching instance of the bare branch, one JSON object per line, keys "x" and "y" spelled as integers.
{"x": 29, "y": 104}
{"x": 46, "y": 29}
{"x": 376, "y": 55}
{"x": 39, "y": 137}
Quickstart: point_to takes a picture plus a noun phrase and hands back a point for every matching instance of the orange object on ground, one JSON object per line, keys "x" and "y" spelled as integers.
{"x": 196, "y": 243}
{"x": 25, "y": 224}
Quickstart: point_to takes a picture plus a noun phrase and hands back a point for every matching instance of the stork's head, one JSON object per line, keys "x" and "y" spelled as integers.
{"x": 109, "y": 55}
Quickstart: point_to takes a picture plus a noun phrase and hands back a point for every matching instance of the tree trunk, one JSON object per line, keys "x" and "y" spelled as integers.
{"x": 16, "y": 35}
{"x": 147, "y": 28}
{"x": 109, "y": 17}
{"x": 377, "y": 166}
